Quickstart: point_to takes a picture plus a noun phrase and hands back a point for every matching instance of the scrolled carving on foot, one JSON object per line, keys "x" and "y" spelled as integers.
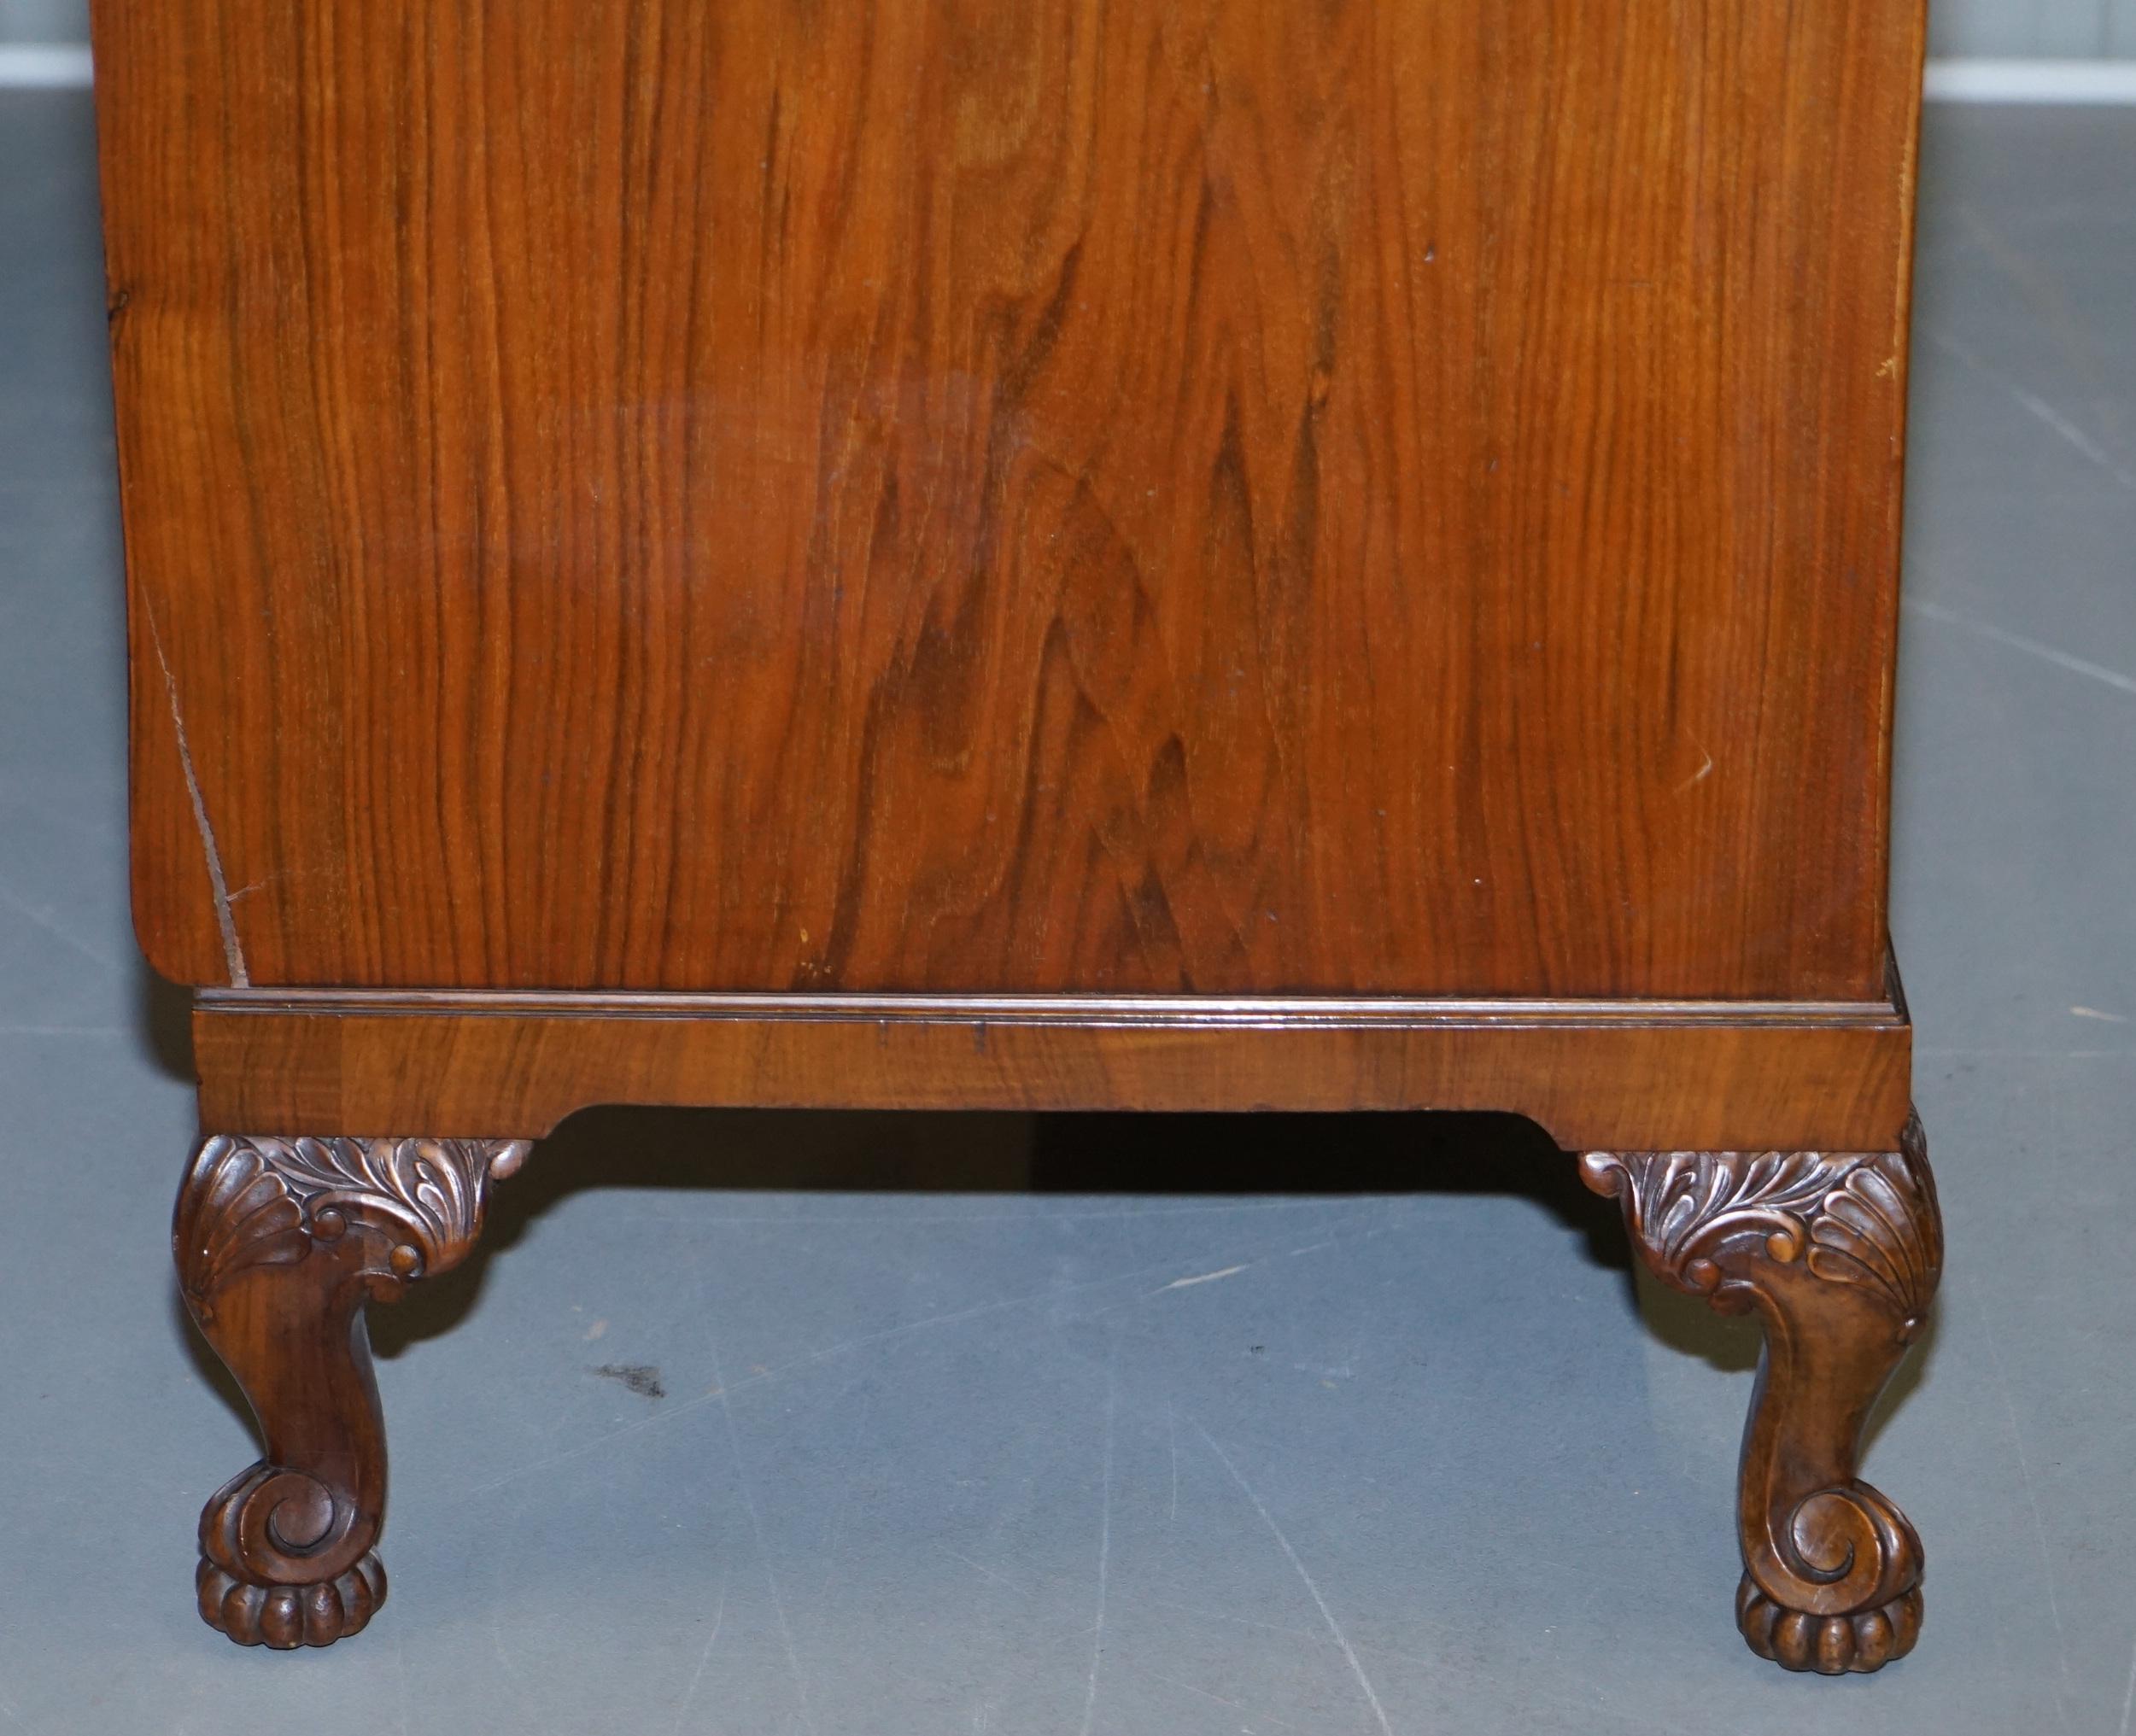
{"x": 272, "y": 1526}
{"x": 1834, "y": 1551}
{"x": 1840, "y": 1254}
{"x": 279, "y": 1242}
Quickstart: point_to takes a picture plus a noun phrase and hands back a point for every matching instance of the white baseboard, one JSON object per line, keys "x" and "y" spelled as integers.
{"x": 39, "y": 66}
{"x": 2032, "y": 81}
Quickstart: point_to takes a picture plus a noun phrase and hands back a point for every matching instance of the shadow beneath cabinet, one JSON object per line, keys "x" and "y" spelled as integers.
{"x": 973, "y": 1152}
{"x": 163, "y": 1023}
{"x": 1129, "y": 1154}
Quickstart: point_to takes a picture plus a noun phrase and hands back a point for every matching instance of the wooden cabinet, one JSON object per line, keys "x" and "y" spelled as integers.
{"x": 1167, "y": 554}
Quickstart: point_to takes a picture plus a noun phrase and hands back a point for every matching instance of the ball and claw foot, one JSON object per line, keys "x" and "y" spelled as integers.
{"x": 288, "y": 1616}
{"x": 1830, "y": 1645}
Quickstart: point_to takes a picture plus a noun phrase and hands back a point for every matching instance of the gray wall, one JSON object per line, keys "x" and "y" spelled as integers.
{"x": 2054, "y": 29}
{"x": 2058, "y": 29}
{"x": 44, "y": 21}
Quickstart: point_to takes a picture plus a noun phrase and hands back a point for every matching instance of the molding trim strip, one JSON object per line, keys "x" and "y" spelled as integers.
{"x": 1128, "y": 1011}
{"x": 1628, "y": 1076}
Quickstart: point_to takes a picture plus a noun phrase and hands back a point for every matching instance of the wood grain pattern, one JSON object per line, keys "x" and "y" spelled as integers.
{"x": 1621, "y": 1075}
{"x": 1214, "y": 495}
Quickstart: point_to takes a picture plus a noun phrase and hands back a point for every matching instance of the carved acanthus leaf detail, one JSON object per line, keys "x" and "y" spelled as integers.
{"x": 235, "y": 1211}
{"x": 1853, "y": 1217}
{"x": 1879, "y": 1227}
{"x": 251, "y": 1201}
{"x": 1684, "y": 1204}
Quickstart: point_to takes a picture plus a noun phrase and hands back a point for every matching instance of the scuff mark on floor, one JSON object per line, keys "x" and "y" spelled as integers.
{"x": 641, "y": 1377}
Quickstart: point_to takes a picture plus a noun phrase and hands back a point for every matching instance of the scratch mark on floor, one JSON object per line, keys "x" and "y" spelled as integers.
{"x": 1449, "y": 1629}
{"x": 685, "y": 1407}
{"x": 1024, "y": 1300}
{"x": 2094, "y": 1013}
{"x": 2039, "y": 1524}
{"x": 1226, "y": 1615}
{"x": 2072, "y": 334}
{"x": 1360, "y": 1221}
{"x": 1207, "y": 1277}
{"x": 1172, "y": 1437}
{"x": 980, "y": 1567}
{"x": 2038, "y": 408}
{"x": 1267, "y": 1518}
{"x": 44, "y": 919}
{"x": 1587, "y": 1712}
{"x": 834, "y": 1532}
{"x": 755, "y": 1531}
{"x": 704, "y": 1657}
{"x": 233, "y": 954}
{"x": 721, "y": 1390}
{"x": 400, "y": 1670}
{"x": 2018, "y": 642}
{"x": 606, "y": 1439}
{"x": 1104, "y": 1536}
{"x": 1236, "y": 1705}
{"x": 2129, "y": 1699}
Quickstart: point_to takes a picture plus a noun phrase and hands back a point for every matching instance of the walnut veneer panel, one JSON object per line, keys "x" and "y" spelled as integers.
{"x": 1233, "y": 496}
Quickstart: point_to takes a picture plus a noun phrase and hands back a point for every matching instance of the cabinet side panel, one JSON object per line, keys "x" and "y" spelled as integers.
{"x": 1211, "y": 495}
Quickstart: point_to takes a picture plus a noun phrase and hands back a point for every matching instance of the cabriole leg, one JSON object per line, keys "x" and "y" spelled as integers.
{"x": 279, "y": 1242}
{"x": 1838, "y": 1255}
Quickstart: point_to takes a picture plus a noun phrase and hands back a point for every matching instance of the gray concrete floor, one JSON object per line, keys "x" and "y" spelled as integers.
{"x": 932, "y": 1438}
